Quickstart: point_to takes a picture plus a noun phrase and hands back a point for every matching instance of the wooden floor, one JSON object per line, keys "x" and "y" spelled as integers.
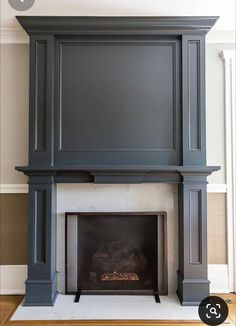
{"x": 8, "y": 305}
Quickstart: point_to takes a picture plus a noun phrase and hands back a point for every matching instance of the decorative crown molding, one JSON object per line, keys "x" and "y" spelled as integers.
{"x": 94, "y": 25}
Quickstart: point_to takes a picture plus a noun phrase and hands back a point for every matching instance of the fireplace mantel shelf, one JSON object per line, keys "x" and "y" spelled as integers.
{"x": 119, "y": 174}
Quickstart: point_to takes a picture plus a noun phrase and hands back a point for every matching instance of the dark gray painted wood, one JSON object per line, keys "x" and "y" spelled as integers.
{"x": 103, "y": 97}
{"x": 119, "y": 174}
{"x": 64, "y": 169}
{"x": 193, "y": 82}
{"x": 162, "y": 25}
{"x": 193, "y": 284}
{"x": 195, "y": 221}
{"x": 41, "y": 100}
{"x": 193, "y": 110}
{"x": 40, "y": 226}
{"x": 41, "y": 282}
{"x": 117, "y": 101}
{"x": 171, "y": 148}
{"x": 154, "y": 136}
{"x": 40, "y": 96}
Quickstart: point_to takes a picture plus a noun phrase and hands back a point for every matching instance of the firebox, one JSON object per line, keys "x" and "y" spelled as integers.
{"x": 116, "y": 253}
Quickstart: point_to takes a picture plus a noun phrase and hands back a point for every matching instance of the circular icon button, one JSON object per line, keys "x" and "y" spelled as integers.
{"x": 213, "y": 310}
{"x": 21, "y": 5}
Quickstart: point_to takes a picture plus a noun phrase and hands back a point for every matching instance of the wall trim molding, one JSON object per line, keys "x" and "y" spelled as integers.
{"x": 218, "y": 275}
{"x": 216, "y": 188}
{"x": 18, "y": 36}
{"x": 13, "y": 36}
{"x": 13, "y": 188}
{"x": 228, "y": 58}
{"x": 221, "y": 37}
{"x": 12, "y": 279}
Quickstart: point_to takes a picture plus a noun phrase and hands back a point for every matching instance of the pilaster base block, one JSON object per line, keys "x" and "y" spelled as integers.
{"x": 40, "y": 292}
{"x": 192, "y": 291}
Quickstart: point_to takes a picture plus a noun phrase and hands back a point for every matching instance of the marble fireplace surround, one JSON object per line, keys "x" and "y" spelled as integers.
{"x": 60, "y": 153}
{"x": 124, "y": 198}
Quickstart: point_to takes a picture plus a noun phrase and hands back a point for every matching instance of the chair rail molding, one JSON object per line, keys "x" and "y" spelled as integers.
{"x": 216, "y": 188}
{"x": 228, "y": 57}
{"x": 13, "y": 36}
{"x": 220, "y": 37}
{"x": 11, "y": 188}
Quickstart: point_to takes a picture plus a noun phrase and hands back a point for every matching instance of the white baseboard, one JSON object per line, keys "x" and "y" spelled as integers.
{"x": 218, "y": 275}
{"x": 12, "y": 279}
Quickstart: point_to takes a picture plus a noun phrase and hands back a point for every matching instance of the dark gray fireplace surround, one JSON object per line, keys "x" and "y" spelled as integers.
{"x": 117, "y": 100}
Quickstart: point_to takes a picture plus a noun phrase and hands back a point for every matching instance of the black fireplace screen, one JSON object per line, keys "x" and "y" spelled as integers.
{"x": 121, "y": 253}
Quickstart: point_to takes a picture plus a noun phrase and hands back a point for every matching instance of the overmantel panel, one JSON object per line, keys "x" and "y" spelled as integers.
{"x": 101, "y": 118}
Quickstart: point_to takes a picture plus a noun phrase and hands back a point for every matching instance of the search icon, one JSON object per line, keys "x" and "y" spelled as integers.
{"x": 213, "y": 311}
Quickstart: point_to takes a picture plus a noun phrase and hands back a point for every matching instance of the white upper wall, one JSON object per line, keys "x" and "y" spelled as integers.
{"x": 224, "y": 9}
{"x": 215, "y": 111}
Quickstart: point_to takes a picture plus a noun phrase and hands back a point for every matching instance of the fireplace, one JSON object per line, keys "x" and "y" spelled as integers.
{"x": 117, "y": 100}
{"x": 116, "y": 253}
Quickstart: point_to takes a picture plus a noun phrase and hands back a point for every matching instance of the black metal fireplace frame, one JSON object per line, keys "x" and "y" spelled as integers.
{"x": 161, "y": 228}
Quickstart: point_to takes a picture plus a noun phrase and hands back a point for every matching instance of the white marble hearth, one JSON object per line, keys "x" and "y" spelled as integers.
{"x": 109, "y": 307}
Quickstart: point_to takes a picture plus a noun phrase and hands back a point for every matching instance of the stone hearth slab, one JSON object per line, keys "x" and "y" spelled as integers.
{"x": 109, "y": 307}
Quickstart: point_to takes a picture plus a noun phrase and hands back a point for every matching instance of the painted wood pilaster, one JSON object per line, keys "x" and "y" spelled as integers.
{"x": 41, "y": 282}
{"x": 41, "y": 99}
{"x": 193, "y": 284}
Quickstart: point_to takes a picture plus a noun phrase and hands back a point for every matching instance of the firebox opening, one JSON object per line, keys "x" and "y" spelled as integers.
{"x": 114, "y": 253}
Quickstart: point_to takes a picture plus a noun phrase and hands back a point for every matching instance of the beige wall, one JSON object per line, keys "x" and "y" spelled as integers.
{"x": 13, "y": 229}
{"x": 14, "y": 111}
{"x": 217, "y": 251}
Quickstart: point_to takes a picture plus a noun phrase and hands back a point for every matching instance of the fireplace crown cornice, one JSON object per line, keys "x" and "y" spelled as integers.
{"x": 74, "y": 25}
